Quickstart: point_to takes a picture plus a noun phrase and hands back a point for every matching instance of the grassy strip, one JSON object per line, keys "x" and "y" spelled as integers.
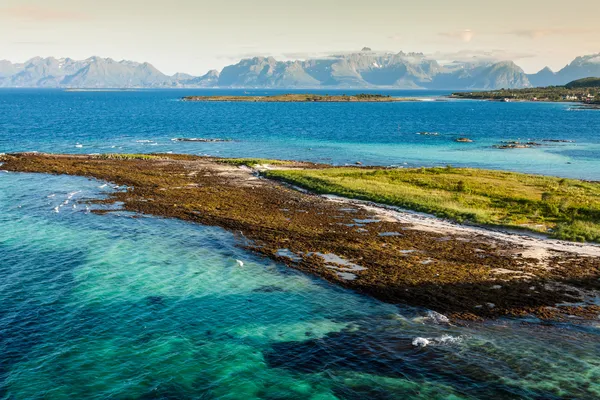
{"x": 123, "y": 156}
{"x": 565, "y": 208}
{"x": 251, "y": 162}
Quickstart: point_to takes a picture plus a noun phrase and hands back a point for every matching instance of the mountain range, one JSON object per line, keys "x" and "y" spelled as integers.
{"x": 364, "y": 69}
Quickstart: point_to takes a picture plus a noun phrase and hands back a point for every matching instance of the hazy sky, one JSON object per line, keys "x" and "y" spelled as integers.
{"x": 196, "y": 35}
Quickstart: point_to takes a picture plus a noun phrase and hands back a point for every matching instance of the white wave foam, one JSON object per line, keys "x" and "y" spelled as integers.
{"x": 420, "y": 342}
{"x": 438, "y": 341}
{"x": 449, "y": 339}
{"x": 436, "y": 318}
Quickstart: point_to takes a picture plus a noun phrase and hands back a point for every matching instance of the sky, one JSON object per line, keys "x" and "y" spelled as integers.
{"x": 194, "y": 36}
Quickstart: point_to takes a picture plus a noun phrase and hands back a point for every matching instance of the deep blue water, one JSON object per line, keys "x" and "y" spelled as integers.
{"x": 125, "y": 306}
{"x": 373, "y": 133}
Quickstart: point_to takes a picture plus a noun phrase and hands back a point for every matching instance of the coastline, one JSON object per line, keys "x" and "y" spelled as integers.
{"x": 502, "y": 100}
{"x": 302, "y": 98}
{"x": 466, "y": 272}
{"x": 537, "y": 245}
{"x": 576, "y": 104}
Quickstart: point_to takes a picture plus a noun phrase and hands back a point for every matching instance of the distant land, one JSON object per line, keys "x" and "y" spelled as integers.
{"x": 361, "y": 70}
{"x": 586, "y": 90}
{"x": 304, "y": 98}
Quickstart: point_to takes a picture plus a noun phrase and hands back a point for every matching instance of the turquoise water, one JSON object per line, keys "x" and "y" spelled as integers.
{"x": 126, "y": 306}
{"x": 132, "y": 307}
{"x": 373, "y": 133}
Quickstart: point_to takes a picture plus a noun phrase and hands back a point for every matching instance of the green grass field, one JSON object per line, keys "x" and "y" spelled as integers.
{"x": 564, "y": 208}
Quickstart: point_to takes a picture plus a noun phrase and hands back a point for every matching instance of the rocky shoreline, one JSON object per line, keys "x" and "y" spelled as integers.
{"x": 463, "y": 272}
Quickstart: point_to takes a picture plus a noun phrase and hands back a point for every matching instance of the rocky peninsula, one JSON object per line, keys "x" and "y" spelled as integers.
{"x": 465, "y": 272}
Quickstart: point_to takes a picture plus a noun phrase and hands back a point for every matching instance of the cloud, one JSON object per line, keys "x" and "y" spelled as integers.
{"x": 40, "y": 14}
{"x": 289, "y": 56}
{"x": 479, "y": 56}
{"x": 239, "y": 56}
{"x": 315, "y": 54}
{"x": 543, "y": 32}
{"x": 465, "y": 35}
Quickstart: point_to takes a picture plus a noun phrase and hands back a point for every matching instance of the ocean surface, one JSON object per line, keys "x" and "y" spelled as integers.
{"x": 372, "y": 133}
{"x": 126, "y": 306}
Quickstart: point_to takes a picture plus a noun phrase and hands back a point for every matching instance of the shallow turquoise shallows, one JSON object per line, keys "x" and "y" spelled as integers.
{"x": 126, "y": 306}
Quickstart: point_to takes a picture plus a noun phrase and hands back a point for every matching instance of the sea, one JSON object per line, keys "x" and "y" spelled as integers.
{"x": 129, "y": 306}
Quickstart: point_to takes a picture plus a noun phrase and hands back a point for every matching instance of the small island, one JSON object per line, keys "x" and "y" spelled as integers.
{"x": 585, "y": 91}
{"x": 303, "y": 98}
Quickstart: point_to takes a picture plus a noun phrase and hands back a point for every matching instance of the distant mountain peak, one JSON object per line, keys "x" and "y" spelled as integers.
{"x": 544, "y": 77}
{"x": 364, "y": 69}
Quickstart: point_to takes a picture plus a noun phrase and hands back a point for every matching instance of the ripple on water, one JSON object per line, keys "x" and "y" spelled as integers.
{"x": 138, "y": 308}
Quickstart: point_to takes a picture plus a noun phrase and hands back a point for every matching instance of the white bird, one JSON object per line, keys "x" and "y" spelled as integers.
{"x": 240, "y": 263}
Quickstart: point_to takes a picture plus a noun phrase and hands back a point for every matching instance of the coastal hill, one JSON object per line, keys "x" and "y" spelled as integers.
{"x": 584, "y": 83}
{"x": 363, "y": 69}
{"x": 586, "y": 90}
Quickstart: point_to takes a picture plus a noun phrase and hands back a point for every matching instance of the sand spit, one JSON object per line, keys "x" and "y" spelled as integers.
{"x": 535, "y": 245}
